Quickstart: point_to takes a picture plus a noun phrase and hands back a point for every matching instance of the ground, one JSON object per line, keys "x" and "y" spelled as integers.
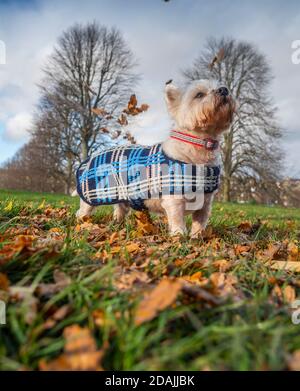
{"x": 95, "y": 295}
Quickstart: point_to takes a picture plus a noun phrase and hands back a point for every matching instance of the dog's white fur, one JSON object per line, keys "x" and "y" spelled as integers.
{"x": 206, "y": 116}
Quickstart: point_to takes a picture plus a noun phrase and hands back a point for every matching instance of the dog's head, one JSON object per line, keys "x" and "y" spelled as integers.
{"x": 202, "y": 106}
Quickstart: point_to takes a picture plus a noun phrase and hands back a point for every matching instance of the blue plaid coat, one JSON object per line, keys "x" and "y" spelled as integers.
{"x": 136, "y": 173}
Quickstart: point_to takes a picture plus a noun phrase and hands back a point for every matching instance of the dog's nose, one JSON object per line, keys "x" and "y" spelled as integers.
{"x": 223, "y": 91}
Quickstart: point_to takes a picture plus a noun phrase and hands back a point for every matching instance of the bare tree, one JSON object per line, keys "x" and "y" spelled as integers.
{"x": 55, "y": 129}
{"x": 250, "y": 149}
{"x": 91, "y": 70}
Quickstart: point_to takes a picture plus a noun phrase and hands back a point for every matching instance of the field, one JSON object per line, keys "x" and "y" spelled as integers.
{"x": 93, "y": 295}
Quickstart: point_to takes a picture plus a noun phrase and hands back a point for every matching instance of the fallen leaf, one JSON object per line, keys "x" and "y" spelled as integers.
{"x": 293, "y": 252}
{"x": 132, "y": 248}
{"x": 9, "y": 206}
{"x": 20, "y": 244}
{"x": 4, "y": 282}
{"x": 245, "y": 227}
{"x": 294, "y": 361}
{"x": 289, "y": 294}
{"x": 283, "y": 265}
{"x": 25, "y": 295}
{"x": 222, "y": 264}
{"x": 58, "y": 315}
{"x": 132, "y": 277}
{"x": 241, "y": 249}
{"x": 144, "y": 224}
{"x": 61, "y": 282}
{"x": 80, "y": 352}
{"x": 42, "y": 204}
{"x": 161, "y": 297}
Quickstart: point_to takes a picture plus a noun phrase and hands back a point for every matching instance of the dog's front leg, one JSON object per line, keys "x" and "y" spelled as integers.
{"x": 175, "y": 213}
{"x": 84, "y": 210}
{"x": 120, "y": 211}
{"x": 200, "y": 217}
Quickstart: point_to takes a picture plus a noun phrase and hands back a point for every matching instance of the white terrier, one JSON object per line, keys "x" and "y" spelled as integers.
{"x": 201, "y": 113}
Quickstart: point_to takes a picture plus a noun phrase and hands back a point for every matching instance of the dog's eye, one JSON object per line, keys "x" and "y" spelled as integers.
{"x": 199, "y": 95}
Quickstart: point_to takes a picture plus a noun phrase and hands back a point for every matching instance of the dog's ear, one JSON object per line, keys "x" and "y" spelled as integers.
{"x": 172, "y": 96}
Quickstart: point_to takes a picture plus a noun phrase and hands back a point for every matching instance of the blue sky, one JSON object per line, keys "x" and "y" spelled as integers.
{"x": 165, "y": 37}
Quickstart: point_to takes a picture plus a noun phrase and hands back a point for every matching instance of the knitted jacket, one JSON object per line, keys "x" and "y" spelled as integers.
{"x": 136, "y": 173}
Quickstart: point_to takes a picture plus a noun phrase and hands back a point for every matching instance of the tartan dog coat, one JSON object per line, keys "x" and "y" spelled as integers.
{"x": 136, "y": 173}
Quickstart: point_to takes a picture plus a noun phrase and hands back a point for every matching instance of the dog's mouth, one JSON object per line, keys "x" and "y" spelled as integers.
{"x": 224, "y": 100}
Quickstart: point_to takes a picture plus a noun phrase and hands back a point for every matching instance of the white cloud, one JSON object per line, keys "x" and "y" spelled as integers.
{"x": 17, "y": 127}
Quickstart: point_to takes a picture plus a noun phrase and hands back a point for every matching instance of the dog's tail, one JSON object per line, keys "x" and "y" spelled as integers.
{"x": 74, "y": 193}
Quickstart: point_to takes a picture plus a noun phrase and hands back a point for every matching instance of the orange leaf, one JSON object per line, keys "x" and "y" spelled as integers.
{"x": 161, "y": 297}
{"x": 80, "y": 352}
{"x": 289, "y": 294}
{"x": 293, "y": 252}
{"x": 4, "y": 282}
{"x": 245, "y": 227}
{"x": 283, "y": 265}
{"x": 100, "y": 112}
{"x": 294, "y": 361}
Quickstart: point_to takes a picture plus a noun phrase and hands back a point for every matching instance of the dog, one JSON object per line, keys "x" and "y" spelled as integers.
{"x": 202, "y": 112}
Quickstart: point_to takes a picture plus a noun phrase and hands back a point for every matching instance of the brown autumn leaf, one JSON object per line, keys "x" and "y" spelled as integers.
{"x": 294, "y": 361}
{"x": 61, "y": 281}
{"x": 4, "y": 282}
{"x": 25, "y": 295}
{"x": 144, "y": 224}
{"x": 122, "y": 120}
{"x": 293, "y": 252}
{"x": 132, "y": 248}
{"x": 130, "y": 138}
{"x": 219, "y": 57}
{"x": 283, "y": 265}
{"x": 104, "y": 130}
{"x": 273, "y": 252}
{"x": 289, "y": 294}
{"x": 80, "y": 352}
{"x": 223, "y": 284}
{"x": 161, "y": 297}
{"x": 286, "y": 294}
{"x": 132, "y": 102}
{"x": 245, "y": 227}
{"x": 100, "y": 112}
{"x": 20, "y": 244}
{"x": 58, "y": 315}
{"x": 241, "y": 249}
{"x": 130, "y": 278}
{"x": 144, "y": 107}
{"x": 222, "y": 264}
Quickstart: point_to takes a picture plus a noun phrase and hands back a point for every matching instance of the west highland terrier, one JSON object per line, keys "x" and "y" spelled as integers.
{"x": 177, "y": 177}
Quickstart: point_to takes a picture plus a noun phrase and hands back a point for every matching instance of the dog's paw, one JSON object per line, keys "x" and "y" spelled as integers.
{"x": 178, "y": 232}
{"x": 197, "y": 234}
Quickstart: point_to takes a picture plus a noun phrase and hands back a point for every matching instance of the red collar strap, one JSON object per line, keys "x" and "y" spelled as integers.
{"x": 207, "y": 143}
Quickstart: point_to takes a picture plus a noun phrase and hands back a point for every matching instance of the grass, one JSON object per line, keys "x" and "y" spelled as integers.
{"x": 250, "y": 329}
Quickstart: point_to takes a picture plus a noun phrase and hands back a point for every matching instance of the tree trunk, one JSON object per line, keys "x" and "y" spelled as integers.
{"x": 227, "y": 161}
{"x": 226, "y": 189}
{"x": 69, "y": 176}
{"x": 84, "y": 150}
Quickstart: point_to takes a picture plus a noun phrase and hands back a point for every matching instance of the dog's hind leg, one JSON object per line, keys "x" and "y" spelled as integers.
{"x": 84, "y": 210}
{"x": 120, "y": 211}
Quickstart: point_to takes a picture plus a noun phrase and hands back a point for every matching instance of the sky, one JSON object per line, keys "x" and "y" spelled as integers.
{"x": 166, "y": 37}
